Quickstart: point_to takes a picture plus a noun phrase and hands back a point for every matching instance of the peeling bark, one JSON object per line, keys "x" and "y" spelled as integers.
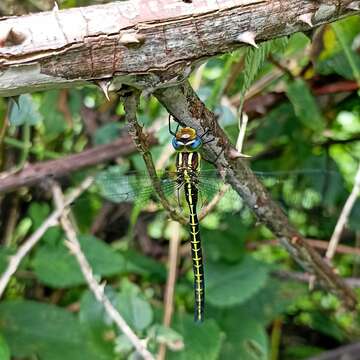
{"x": 147, "y": 44}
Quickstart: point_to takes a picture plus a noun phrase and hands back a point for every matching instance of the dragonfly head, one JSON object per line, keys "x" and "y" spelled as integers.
{"x": 186, "y": 139}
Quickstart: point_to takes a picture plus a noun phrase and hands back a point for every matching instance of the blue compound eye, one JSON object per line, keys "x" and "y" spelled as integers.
{"x": 176, "y": 144}
{"x": 196, "y": 144}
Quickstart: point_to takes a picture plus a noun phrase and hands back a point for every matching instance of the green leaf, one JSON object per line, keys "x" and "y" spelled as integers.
{"x": 4, "y": 349}
{"x": 145, "y": 266}
{"x": 271, "y": 301}
{"x": 38, "y": 212}
{"x": 325, "y": 324}
{"x": 302, "y": 351}
{"x": 254, "y": 60}
{"x": 25, "y": 112}
{"x": 45, "y": 330}
{"x": 354, "y": 217}
{"x": 107, "y": 133}
{"x": 228, "y": 285}
{"x": 277, "y": 125}
{"x": 246, "y": 338}
{"x": 338, "y": 52}
{"x": 54, "y": 120}
{"x": 226, "y": 243}
{"x": 168, "y": 336}
{"x": 5, "y": 253}
{"x": 56, "y": 267}
{"x": 135, "y": 309}
{"x": 352, "y": 58}
{"x": 201, "y": 341}
{"x": 94, "y": 319}
{"x": 305, "y": 106}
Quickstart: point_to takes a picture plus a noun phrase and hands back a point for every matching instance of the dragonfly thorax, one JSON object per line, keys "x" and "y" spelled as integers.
{"x": 188, "y": 167}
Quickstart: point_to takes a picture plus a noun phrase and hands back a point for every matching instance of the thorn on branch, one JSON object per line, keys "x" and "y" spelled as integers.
{"x": 11, "y": 37}
{"x": 15, "y": 99}
{"x": 104, "y": 86}
{"x": 307, "y": 19}
{"x": 131, "y": 39}
{"x": 294, "y": 239}
{"x": 234, "y": 154}
{"x": 247, "y": 37}
{"x": 354, "y": 5}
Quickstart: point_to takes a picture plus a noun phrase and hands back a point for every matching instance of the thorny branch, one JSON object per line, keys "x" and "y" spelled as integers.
{"x": 182, "y": 102}
{"x": 28, "y": 244}
{"x": 97, "y": 289}
{"x": 145, "y": 44}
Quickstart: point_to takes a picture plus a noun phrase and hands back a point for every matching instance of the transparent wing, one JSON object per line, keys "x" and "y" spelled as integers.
{"x": 119, "y": 187}
{"x": 303, "y": 188}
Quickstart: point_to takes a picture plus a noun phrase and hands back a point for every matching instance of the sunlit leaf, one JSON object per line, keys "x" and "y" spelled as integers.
{"x": 51, "y": 332}
{"x": 25, "y": 111}
{"x": 229, "y": 285}
{"x": 201, "y": 342}
{"x": 55, "y": 266}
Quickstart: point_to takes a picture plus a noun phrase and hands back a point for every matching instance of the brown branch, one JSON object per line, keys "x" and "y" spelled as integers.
{"x": 349, "y": 352}
{"x": 145, "y": 44}
{"x": 315, "y": 243}
{"x": 305, "y": 278}
{"x": 131, "y": 101}
{"x": 34, "y": 173}
{"x": 183, "y": 103}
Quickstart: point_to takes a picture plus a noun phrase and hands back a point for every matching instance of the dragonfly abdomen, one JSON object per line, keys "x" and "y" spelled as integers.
{"x": 191, "y": 194}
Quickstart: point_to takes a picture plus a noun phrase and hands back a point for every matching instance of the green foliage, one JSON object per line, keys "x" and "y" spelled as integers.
{"x": 304, "y": 105}
{"x": 24, "y": 111}
{"x": 55, "y": 266}
{"x": 230, "y": 285}
{"x": 32, "y": 328}
{"x": 136, "y": 310}
{"x": 201, "y": 342}
{"x": 246, "y": 337}
{"x": 4, "y": 349}
{"x": 107, "y": 133}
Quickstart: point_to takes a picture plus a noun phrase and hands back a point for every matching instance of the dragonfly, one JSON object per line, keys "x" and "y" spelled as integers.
{"x": 196, "y": 185}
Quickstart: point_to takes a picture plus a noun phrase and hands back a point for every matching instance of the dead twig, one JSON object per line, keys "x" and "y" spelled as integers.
{"x": 97, "y": 289}
{"x": 28, "y": 244}
{"x": 343, "y": 218}
{"x": 171, "y": 281}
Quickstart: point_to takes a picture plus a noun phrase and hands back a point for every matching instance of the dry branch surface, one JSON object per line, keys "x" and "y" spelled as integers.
{"x": 147, "y": 44}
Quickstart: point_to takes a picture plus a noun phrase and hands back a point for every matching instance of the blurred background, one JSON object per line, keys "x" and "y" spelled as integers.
{"x": 301, "y": 97}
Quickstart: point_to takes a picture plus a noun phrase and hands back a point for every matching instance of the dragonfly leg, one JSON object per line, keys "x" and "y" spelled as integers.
{"x": 205, "y": 132}
{"x": 218, "y": 155}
